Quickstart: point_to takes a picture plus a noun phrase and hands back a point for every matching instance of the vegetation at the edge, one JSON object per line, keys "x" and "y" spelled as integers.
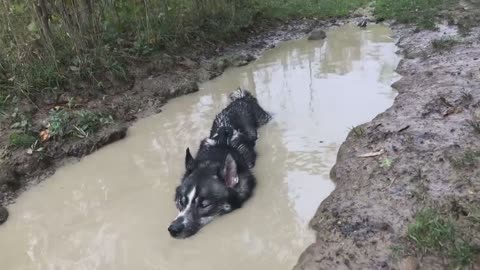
{"x": 433, "y": 232}
{"x": 47, "y": 45}
{"x": 420, "y": 12}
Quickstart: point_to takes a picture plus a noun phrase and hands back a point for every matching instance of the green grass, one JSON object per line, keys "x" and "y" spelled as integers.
{"x": 82, "y": 44}
{"x": 442, "y": 44}
{"x": 21, "y": 140}
{"x": 358, "y": 131}
{"x": 432, "y": 232}
{"x": 420, "y": 12}
{"x": 77, "y": 123}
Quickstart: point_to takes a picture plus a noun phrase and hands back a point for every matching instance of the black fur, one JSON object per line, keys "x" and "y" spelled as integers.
{"x": 218, "y": 179}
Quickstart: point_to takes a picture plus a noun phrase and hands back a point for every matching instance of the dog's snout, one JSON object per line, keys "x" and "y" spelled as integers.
{"x": 176, "y": 228}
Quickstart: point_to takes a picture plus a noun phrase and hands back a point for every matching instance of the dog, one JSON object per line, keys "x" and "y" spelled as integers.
{"x": 218, "y": 180}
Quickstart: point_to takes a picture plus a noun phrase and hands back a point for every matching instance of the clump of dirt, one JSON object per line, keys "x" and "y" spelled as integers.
{"x": 420, "y": 153}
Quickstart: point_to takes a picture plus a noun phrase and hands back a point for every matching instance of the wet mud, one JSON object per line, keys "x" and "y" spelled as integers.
{"x": 415, "y": 155}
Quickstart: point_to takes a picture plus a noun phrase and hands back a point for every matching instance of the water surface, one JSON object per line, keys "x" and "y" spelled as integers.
{"x": 112, "y": 209}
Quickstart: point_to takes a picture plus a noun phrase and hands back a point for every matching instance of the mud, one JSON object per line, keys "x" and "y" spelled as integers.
{"x": 422, "y": 140}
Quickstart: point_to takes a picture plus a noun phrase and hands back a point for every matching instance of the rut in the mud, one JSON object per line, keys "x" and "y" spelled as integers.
{"x": 111, "y": 210}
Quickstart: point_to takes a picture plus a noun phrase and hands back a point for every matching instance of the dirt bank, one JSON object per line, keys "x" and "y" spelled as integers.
{"x": 423, "y": 154}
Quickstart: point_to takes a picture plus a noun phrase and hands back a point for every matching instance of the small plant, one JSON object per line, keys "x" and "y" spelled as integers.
{"x": 468, "y": 159}
{"x": 21, "y": 140}
{"x": 475, "y": 125}
{"x": 358, "y": 131}
{"x": 467, "y": 96}
{"x": 443, "y": 44}
{"x": 386, "y": 163}
{"x": 59, "y": 122}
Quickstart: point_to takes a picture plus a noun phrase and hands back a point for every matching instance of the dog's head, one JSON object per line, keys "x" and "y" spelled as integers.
{"x": 206, "y": 192}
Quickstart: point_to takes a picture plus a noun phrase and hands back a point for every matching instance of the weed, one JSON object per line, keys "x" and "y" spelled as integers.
{"x": 386, "y": 163}
{"x": 59, "y": 123}
{"x": 442, "y": 44}
{"x": 21, "y": 140}
{"x": 358, "y": 131}
{"x": 467, "y": 96}
{"x": 468, "y": 159}
{"x": 475, "y": 125}
{"x": 420, "y": 12}
{"x": 432, "y": 232}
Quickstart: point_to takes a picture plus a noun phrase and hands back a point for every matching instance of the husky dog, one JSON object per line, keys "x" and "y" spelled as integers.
{"x": 218, "y": 180}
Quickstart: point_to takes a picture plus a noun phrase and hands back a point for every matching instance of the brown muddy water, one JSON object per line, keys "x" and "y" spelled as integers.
{"x": 112, "y": 209}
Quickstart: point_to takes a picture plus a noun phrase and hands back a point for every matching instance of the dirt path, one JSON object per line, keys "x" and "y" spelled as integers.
{"x": 424, "y": 153}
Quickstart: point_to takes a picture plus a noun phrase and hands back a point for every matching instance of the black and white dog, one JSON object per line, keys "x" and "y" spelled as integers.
{"x": 218, "y": 180}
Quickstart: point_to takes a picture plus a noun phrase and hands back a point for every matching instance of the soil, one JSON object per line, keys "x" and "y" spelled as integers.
{"x": 418, "y": 152}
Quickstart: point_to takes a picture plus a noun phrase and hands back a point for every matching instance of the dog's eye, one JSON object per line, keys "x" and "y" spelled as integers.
{"x": 183, "y": 201}
{"x": 205, "y": 203}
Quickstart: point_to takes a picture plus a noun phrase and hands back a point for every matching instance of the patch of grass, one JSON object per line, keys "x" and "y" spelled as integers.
{"x": 358, "y": 131}
{"x": 420, "y": 12}
{"x": 432, "y": 232}
{"x": 21, "y": 140}
{"x": 78, "y": 123}
{"x": 386, "y": 163}
{"x": 467, "y": 96}
{"x": 84, "y": 40}
{"x": 443, "y": 44}
{"x": 468, "y": 159}
{"x": 308, "y": 8}
{"x": 475, "y": 125}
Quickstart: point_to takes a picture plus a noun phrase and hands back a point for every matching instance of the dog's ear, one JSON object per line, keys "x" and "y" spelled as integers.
{"x": 189, "y": 162}
{"x": 229, "y": 172}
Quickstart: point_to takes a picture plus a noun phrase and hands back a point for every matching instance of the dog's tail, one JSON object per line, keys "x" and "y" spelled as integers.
{"x": 241, "y": 93}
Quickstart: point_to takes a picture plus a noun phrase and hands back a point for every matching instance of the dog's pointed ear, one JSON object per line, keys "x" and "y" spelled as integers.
{"x": 188, "y": 160}
{"x": 229, "y": 172}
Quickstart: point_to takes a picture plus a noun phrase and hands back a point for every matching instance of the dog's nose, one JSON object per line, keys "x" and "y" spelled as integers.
{"x": 176, "y": 228}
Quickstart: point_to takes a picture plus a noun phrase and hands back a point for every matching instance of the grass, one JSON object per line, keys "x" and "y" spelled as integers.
{"x": 468, "y": 159}
{"x": 475, "y": 125}
{"x": 21, "y": 140}
{"x": 432, "y": 232}
{"x": 420, "y": 12}
{"x": 443, "y": 44}
{"x": 77, "y": 123}
{"x": 358, "y": 131}
{"x": 81, "y": 41}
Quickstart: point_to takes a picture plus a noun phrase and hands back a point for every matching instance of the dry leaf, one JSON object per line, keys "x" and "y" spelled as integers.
{"x": 44, "y": 135}
{"x": 29, "y": 151}
{"x": 373, "y": 154}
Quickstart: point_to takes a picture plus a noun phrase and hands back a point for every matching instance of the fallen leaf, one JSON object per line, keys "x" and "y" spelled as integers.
{"x": 373, "y": 154}
{"x": 44, "y": 135}
{"x": 29, "y": 151}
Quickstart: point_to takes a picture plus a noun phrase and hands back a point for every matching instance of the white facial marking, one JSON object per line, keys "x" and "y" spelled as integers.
{"x": 190, "y": 197}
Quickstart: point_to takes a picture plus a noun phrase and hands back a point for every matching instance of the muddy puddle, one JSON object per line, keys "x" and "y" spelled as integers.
{"x": 112, "y": 209}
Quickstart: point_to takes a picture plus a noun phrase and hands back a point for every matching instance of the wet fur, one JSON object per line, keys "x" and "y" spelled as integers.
{"x": 218, "y": 179}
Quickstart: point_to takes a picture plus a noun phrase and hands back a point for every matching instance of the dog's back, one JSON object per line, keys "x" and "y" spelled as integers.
{"x": 243, "y": 114}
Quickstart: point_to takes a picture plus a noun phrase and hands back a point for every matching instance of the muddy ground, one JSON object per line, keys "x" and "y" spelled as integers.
{"x": 424, "y": 153}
